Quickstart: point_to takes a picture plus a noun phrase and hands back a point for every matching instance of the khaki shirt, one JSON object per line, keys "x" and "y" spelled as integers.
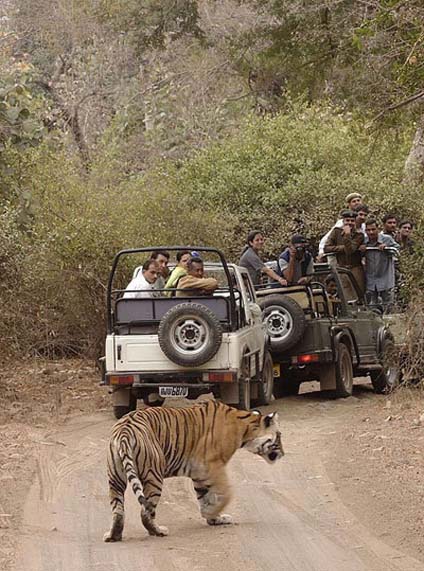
{"x": 196, "y": 286}
{"x": 345, "y": 247}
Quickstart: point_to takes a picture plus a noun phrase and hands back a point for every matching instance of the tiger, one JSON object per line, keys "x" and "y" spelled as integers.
{"x": 149, "y": 445}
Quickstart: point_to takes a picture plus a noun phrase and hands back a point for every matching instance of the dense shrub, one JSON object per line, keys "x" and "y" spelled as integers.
{"x": 282, "y": 174}
{"x": 292, "y": 172}
{"x": 55, "y": 268}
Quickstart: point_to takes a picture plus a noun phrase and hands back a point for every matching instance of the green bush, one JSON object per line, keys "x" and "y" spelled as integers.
{"x": 292, "y": 173}
{"x": 58, "y": 264}
{"x": 282, "y": 174}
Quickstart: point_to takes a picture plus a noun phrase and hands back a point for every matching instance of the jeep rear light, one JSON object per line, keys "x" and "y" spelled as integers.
{"x": 121, "y": 379}
{"x": 226, "y": 377}
{"x": 305, "y": 359}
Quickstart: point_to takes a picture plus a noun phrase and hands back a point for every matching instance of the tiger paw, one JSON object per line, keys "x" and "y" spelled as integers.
{"x": 223, "y": 519}
{"x": 109, "y": 537}
{"x": 159, "y": 531}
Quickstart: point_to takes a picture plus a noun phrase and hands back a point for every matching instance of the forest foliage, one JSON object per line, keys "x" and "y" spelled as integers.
{"x": 131, "y": 123}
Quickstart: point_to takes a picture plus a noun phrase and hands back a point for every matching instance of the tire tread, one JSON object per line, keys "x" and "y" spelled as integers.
{"x": 298, "y": 316}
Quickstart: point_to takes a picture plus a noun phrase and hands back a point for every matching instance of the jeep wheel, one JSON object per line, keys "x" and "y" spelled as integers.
{"x": 190, "y": 334}
{"x": 388, "y": 377}
{"x": 344, "y": 372}
{"x": 266, "y": 383}
{"x": 120, "y": 410}
{"x": 284, "y": 319}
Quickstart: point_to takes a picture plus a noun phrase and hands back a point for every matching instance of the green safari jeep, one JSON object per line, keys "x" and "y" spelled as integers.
{"x": 330, "y": 338}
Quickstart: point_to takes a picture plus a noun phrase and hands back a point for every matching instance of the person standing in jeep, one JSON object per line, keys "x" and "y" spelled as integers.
{"x": 403, "y": 237}
{"x": 345, "y": 243}
{"x": 252, "y": 262}
{"x": 380, "y": 266}
{"x": 296, "y": 263}
{"x": 390, "y": 224}
{"x": 352, "y": 201}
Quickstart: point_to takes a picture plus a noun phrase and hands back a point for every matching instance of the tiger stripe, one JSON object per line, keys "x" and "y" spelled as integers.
{"x": 149, "y": 445}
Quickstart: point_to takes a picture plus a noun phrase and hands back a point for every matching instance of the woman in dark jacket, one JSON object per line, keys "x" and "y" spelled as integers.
{"x": 252, "y": 262}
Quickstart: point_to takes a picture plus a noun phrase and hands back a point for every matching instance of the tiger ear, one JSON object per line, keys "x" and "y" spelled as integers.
{"x": 254, "y": 411}
{"x": 270, "y": 419}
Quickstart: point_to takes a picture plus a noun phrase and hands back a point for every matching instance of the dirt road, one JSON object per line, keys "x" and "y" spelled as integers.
{"x": 289, "y": 516}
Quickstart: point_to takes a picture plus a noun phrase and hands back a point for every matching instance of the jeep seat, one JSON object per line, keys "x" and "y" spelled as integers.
{"x": 144, "y": 314}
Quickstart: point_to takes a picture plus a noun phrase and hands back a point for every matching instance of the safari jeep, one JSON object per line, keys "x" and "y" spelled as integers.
{"x": 167, "y": 346}
{"x": 329, "y": 338}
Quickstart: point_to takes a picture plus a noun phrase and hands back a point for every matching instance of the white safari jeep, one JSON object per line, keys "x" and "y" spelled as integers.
{"x": 173, "y": 346}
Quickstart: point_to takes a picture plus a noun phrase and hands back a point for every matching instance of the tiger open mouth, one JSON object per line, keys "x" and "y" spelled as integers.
{"x": 272, "y": 450}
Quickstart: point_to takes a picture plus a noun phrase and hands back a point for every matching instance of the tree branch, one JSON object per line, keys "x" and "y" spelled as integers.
{"x": 395, "y": 106}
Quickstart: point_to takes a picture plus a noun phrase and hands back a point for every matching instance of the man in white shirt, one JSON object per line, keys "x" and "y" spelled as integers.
{"x": 352, "y": 201}
{"x": 143, "y": 283}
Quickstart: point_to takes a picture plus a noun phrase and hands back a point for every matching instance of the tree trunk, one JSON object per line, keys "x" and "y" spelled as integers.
{"x": 70, "y": 117}
{"x": 149, "y": 97}
{"x": 414, "y": 164}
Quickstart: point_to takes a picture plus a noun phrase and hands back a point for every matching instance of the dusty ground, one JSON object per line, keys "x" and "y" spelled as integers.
{"x": 348, "y": 494}
{"x": 36, "y": 398}
{"x": 378, "y": 464}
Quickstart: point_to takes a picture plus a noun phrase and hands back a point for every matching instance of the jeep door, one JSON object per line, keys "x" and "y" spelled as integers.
{"x": 255, "y": 328}
{"x": 360, "y": 320}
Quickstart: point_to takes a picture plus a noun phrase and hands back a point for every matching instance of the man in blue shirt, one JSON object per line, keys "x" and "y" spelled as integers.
{"x": 380, "y": 265}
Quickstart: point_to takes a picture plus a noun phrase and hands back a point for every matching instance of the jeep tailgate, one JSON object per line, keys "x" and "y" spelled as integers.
{"x": 143, "y": 353}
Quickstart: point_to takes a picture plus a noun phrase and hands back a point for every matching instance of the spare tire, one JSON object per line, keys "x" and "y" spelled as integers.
{"x": 190, "y": 334}
{"x": 284, "y": 319}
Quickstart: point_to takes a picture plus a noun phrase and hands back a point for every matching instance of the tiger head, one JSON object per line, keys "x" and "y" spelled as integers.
{"x": 264, "y": 437}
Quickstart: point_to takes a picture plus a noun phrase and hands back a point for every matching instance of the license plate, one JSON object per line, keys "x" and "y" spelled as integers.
{"x": 276, "y": 368}
{"x": 172, "y": 392}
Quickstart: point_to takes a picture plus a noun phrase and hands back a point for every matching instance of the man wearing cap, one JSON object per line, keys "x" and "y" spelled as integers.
{"x": 352, "y": 201}
{"x": 346, "y": 244}
{"x": 296, "y": 263}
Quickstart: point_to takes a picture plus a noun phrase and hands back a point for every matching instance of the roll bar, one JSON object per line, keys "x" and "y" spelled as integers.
{"x": 127, "y": 252}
